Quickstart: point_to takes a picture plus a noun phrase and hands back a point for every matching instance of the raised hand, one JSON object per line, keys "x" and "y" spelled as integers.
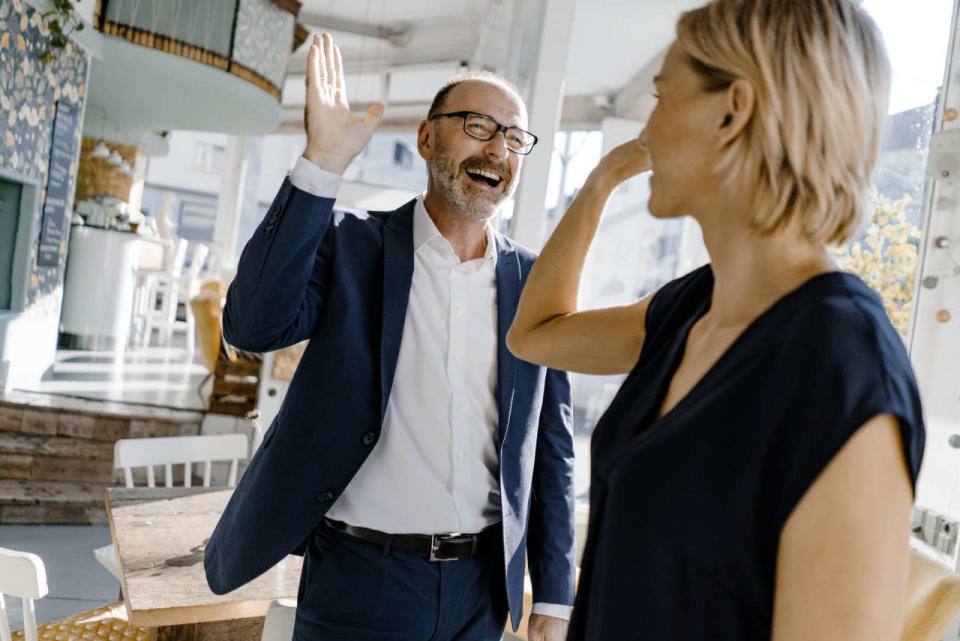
{"x": 334, "y": 136}
{"x": 623, "y": 162}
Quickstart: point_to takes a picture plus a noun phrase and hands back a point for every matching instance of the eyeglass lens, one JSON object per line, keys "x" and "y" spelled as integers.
{"x": 485, "y": 128}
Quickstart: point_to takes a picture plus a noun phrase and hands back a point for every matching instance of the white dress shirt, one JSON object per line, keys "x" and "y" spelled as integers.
{"x": 436, "y": 467}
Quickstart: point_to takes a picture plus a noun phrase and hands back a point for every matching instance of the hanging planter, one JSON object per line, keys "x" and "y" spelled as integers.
{"x": 62, "y": 21}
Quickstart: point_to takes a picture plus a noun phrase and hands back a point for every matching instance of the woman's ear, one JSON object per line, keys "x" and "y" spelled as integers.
{"x": 740, "y": 101}
{"x": 425, "y": 135}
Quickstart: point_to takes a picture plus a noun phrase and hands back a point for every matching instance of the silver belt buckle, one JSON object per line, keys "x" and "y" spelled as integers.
{"x": 435, "y": 545}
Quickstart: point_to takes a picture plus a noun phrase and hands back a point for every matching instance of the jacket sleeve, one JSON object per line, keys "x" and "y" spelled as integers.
{"x": 276, "y": 297}
{"x": 550, "y": 544}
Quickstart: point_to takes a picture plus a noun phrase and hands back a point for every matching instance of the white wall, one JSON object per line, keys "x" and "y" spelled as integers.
{"x": 178, "y": 168}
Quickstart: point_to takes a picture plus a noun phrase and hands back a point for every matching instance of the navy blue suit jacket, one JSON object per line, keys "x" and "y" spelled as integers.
{"x": 343, "y": 281}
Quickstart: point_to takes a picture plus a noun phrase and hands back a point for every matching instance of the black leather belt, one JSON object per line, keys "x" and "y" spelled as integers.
{"x": 436, "y": 547}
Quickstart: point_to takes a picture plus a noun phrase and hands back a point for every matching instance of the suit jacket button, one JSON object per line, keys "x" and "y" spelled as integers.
{"x": 369, "y": 438}
{"x": 325, "y": 497}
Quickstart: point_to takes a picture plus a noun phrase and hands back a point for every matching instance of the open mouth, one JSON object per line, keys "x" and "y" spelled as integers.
{"x": 485, "y": 178}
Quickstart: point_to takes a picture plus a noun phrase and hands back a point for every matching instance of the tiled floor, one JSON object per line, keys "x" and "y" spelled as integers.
{"x": 75, "y": 580}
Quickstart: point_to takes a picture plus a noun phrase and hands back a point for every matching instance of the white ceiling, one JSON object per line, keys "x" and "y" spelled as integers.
{"x": 611, "y": 42}
{"x": 613, "y": 39}
{"x": 614, "y": 51}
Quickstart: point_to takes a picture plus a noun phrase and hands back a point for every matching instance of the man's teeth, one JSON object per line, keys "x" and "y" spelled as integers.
{"x": 489, "y": 175}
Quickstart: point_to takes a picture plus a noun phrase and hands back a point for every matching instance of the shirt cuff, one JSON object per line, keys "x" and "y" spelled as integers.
{"x": 307, "y": 177}
{"x": 552, "y": 610}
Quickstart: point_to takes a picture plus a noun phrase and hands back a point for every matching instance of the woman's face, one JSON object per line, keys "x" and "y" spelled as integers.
{"x": 682, "y": 137}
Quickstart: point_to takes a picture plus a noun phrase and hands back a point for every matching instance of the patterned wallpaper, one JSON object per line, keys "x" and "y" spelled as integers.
{"x": 29, "y": 91}
{"x": 264, "y": 38}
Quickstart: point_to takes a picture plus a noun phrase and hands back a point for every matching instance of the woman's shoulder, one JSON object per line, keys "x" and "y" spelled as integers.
{"x": 841, "y": 320}
{"x": 678, "y": 299}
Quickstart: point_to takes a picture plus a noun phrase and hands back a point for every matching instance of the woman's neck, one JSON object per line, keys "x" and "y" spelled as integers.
{"x": 751, "y": 272}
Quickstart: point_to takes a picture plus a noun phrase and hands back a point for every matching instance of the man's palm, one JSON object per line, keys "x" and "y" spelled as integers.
{"x": 334, "y": 136}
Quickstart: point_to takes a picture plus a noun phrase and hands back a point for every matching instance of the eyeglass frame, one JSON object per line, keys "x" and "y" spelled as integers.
{"x": 504, "y": 128}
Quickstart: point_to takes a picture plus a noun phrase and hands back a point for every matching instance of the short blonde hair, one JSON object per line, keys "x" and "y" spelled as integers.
{"x": 822, "y": 79}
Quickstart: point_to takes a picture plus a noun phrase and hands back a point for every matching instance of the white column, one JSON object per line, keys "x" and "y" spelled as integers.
{"x": 233, "y": 178}
{"x": 545, "y": 104}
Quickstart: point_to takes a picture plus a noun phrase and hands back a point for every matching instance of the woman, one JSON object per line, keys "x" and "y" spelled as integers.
{"x": 753, "y": 477}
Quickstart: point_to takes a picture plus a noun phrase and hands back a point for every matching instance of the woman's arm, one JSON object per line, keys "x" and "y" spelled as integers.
{"x": 548, "y": 328}
{"x": 843, "y": 561}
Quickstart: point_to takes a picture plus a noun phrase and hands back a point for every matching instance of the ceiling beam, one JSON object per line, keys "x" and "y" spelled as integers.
{"x": 397, "y": 36}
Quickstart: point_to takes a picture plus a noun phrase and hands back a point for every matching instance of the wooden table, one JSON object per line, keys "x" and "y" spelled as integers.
{"x": 159, "y": 535}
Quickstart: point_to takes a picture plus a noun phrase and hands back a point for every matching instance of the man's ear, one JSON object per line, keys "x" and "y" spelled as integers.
{"x": 739, "y": 102}
{"x": 425, "y": 134}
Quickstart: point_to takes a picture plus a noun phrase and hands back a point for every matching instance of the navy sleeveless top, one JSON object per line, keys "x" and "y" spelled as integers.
{"x": 686, "y": 510}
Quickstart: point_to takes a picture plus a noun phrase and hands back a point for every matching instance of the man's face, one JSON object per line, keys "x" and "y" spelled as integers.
{"x": 474, "y": 175}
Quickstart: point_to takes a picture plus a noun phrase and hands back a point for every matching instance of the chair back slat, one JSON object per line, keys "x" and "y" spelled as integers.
{"x": 188, "y": 475}
{"x": 233, "y": 473}
{"x": 127, "y": 477}
{"x": 180, "y": 450}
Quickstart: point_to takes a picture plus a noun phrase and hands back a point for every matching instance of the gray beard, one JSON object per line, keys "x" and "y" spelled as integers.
{"x": 472, "y": 205}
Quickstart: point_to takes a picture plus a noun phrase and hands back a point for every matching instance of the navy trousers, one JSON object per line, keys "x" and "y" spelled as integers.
{"x": 354, "y": 591}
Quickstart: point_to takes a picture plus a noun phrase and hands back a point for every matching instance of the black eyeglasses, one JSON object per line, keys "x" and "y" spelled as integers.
{"x": 483, "y": 127}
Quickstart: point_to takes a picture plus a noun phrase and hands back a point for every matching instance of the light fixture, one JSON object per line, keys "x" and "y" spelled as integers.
{"x": 100, "y": 150}
{"x": 115, "y": 158}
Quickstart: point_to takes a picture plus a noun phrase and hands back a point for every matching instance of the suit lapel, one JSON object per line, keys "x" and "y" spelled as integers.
{"x": 397, "y": 277}
{"x": 508, "y": 295}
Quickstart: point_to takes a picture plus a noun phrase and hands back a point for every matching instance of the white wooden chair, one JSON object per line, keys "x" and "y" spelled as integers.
{"x": 278, "y": 624}
{"x": 173, "y": 288}
{"x": 23, "y": 576}
{"x": 145, "y": 297}
{"x": 166, "y": 452}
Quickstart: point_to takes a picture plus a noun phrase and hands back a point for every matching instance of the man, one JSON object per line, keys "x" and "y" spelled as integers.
{"x": 407, "y": 419}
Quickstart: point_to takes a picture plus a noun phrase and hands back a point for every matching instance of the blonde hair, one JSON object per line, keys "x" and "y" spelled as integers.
{"x": 822, "y": 83}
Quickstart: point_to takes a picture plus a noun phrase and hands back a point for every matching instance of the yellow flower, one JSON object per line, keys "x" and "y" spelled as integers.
{"x": 886, "y": 258}
{"x": 5, "y": 41}
{"x": 21, "y": 44}
{"x": 10, "y": 140}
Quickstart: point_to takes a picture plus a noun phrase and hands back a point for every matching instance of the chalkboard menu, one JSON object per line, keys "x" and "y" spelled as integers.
{"x": 55, "y": 213}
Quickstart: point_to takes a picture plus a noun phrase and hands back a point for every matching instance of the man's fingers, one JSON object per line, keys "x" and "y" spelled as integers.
{"x": 328, "y": 57}
{"x": 374, "y": 113}
{"x": 321, "y": 61}
{"x": 338, "y": 69}
{"x": 313, "y": 65}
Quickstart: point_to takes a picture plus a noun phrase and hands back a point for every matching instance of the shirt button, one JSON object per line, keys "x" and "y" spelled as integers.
{"x": 369, "y": 438}
{"x": 457, "y": 358}
{"x": 325, "y": 497}
{"x": 460, "y": 456}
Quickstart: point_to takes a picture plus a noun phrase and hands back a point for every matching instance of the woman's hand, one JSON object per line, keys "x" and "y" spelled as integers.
{"x": 622, "y": 163}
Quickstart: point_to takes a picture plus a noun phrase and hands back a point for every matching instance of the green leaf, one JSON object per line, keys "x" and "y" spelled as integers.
{"x": 80, "y": 26}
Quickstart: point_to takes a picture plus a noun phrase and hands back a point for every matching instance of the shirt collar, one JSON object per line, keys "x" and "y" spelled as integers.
{"x": 425, "y": 231}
